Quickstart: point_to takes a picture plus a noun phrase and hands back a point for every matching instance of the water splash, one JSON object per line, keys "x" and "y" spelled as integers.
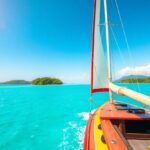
{"x": 73, "y": 136}
{"x": 85, "y": 115}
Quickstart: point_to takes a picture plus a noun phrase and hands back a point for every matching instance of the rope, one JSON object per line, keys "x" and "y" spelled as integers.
{"x": 126, "y": 40}
{"x": 125, "y": 36}
{"x": 90, "y": 100}
{"x": 117, "y": 45}
{"x": 127, "y": 43}
{"x": 119, "y": 49}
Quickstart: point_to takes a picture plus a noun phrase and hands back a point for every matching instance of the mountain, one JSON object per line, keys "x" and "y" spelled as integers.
{"x": 134, "y": 79}
{"x": 16, "y": 82}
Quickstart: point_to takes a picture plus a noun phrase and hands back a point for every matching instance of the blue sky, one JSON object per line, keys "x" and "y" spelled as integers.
{"x": 53, "y": 38}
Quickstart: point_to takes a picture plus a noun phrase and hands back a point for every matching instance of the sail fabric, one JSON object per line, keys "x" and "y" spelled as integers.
{"x": 99, "y": 73}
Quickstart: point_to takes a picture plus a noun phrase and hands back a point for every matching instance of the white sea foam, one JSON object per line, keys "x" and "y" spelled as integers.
{"x": 73, "y": 136}
{"x": 72, "y": 124}
{"x": 85, "y": 115}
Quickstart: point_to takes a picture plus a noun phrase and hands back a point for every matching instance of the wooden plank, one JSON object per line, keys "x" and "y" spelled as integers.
{"x": 112, "y": 138}
{"x": 140, "y": 144}
{"x": 137, "y": 136}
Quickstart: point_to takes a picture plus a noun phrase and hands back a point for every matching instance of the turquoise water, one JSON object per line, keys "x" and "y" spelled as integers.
{"x": 47, "y": 117}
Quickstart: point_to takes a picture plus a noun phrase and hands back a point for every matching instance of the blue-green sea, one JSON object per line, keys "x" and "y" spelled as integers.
{"x": 48, "y": 117}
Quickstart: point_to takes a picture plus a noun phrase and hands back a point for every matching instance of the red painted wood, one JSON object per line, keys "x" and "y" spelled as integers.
{"x": 86, "y": 135}
{"x": 89, "y": 143}
{"x": 111, "y": 134}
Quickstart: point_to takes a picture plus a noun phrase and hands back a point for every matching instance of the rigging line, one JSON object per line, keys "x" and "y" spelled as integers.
{"x": 126, "y": 40}
{"x": 111, "y": 25}
{"x": 114, "y": 36}
{"x": 114, "y": 68}
{"x": 123, "y": 60}
{"x": 114, "y": 76}
{"x": 90, "y": 107}
{"x": 125, "y": 36}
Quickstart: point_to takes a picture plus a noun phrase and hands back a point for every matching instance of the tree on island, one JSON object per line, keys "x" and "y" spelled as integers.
{"x": 135, "y": 80}
{"x": 46, "y": 81}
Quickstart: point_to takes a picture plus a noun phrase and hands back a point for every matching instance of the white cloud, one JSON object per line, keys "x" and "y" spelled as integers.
{"x": 140, "y": 70}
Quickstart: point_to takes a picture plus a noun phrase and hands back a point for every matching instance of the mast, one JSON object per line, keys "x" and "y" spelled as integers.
{"x": 108, "y": 48}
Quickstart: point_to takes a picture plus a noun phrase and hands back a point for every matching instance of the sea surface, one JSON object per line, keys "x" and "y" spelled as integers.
{"x": 49, "y": 117}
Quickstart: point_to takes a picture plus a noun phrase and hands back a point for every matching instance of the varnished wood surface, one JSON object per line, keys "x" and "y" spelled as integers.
{"x": 109, "y": 112}
{"x": 113, "y": 140}
{"x": 139, "y": 144}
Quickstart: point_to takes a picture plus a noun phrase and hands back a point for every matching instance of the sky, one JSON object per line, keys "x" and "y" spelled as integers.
{"x": 53, "y": 38}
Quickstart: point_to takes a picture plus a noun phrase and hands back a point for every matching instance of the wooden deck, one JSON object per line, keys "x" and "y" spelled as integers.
{"x": 109, "y": 112}
{"x": 139, "y": 144}
{"x": 121, "y": 136}
{"x": 113, "y": 140}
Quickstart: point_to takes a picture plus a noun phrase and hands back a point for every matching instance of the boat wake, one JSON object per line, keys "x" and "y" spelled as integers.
{"x": 73, "y": 134}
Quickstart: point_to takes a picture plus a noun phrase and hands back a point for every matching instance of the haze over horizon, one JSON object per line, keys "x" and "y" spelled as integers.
{"x": 53, "y": 38}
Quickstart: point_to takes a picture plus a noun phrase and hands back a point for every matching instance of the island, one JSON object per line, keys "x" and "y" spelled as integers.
{"x": 37, "y": 81}
{"x": 134, "y": 79}
{"x": 46, "y": 81}
{"x": 16, "y": 82}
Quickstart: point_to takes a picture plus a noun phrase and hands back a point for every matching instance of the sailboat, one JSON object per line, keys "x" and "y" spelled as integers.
{"x": 114, "y": 125}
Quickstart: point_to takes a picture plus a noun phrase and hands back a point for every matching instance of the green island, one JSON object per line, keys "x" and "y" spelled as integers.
{"x": 16, "y": 82}
{"x": 37, "y": 81}
{"x": 135, "y": 80}
{"x": 46, "y": 81}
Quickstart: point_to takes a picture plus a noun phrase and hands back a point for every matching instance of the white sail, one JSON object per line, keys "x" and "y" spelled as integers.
{"x": 99, "y": 70}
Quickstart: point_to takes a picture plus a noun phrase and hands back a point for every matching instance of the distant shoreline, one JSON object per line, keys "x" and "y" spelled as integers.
{"x": 132, "y": 79}
{"x": 64, "y": 84}
{"x": 37, "y": 81}
{"x": 136, "y": 80}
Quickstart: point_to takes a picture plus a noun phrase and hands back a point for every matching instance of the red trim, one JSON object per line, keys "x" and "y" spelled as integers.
{"x": 87, "y": 136}
{"x": 100, "y": 90}
{"x": 93, "y": 39}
